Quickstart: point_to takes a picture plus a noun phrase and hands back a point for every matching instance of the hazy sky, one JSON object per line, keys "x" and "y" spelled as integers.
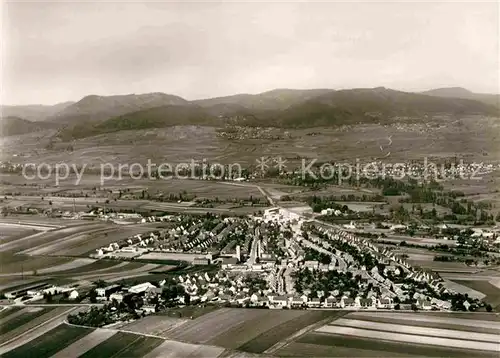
{"x": 54, "y": 52}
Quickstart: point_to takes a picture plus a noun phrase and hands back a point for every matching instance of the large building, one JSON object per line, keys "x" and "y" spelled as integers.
{"x": 201, "y": 261}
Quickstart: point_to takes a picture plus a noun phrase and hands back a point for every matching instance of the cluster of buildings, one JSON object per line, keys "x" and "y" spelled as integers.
{"x": 39, "y": 290}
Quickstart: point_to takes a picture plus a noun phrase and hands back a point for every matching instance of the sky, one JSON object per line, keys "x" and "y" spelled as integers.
{"x": 54, "y": 51}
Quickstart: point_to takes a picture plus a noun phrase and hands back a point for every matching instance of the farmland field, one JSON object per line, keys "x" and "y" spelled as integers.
{"x": 401, "y": 334}
{"x": 49, "y": 343}
{"x": 213, "y": 324}
{"x": 20, "y": 318}
{"x": 124, "y": 344}
{"x": 280, "y": 331}
{"x": 111, "y": 346}
{"x": 8, "y": 311}
{"x": 357, "y": 347}
{"x": 29, "y": 318}
{"x": 85, "y": 343}
{"x": 19, "y": 264}
{"x": 251, "y": 333}
{"x": 491, "y": 291}
{"x": 463, "y": 289}
{"x": 250, "y": 330}
{"x": 155, "y": 325}
{"x": 140, "y": 347}
{"x": 13, "y": 232}
{"x": 92, "y": 242}
{"x": 180, "y": 349}
{"x": 95, "y": 266}
{"x": 45, "y": 238}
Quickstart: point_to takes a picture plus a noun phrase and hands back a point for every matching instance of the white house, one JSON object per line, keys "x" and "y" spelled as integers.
{"x": 116, "y": 296}
{"x": 73, "y": 295}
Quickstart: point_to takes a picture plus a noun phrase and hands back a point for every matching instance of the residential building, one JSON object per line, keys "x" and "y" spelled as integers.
{"x": 106, "y": 291}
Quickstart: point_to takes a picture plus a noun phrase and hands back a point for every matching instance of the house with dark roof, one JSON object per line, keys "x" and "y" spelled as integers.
{"x": 330, "y": 302}
{"x": 347, "y": 302}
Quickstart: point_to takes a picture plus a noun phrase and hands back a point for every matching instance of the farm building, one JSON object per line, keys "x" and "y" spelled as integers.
{"x": 106, "y": 291}
{"x": 140, "y": 288}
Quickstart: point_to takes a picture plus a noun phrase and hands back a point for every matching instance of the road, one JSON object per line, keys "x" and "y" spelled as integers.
{"x": 259, "y": 188}
{"x": 253, "y": 250}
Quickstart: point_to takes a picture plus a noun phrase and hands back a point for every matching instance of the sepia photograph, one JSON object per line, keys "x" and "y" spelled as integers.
{"x": 245, "y": 179}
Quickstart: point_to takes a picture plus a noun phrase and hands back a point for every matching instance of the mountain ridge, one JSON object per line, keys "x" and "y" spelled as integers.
{"x": 460, "y": 92}
{"x": 94, "y": 114}
{"x": 327, "y": 108}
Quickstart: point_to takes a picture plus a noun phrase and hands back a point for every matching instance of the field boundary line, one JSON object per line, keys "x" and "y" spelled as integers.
{"x": 117, "y": 330}
{"x": 299, "y": 333}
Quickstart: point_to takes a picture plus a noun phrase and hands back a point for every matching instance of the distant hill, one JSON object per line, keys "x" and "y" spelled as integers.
{"x": 326, "y": 108}
{"x": 374, "y": 105}
{"x": 33, "y": 112}
{"x": 95, "y": 108}
{"x": 157, "y": 117}
{"x": 10, "y": 126}
{"x": 459, "y": 92}
{"x": 278, "y": 99}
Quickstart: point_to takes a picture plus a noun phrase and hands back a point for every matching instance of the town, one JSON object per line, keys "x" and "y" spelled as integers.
{"x": 279, "y": 260}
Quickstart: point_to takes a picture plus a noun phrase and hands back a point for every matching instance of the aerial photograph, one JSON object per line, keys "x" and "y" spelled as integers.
{"x": 245, "y": 179}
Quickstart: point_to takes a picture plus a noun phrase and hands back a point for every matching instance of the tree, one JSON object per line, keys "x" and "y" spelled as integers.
{"x": 325, "y": 259}
{"x": 489, "y": 308}
{"x": 48, "y": 297}
{"x": 100, "y": 283}
{"x": 93, "y": 296}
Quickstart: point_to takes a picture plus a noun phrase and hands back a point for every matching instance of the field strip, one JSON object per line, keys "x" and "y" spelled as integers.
{"x": 67, "y": 266}
{"x": 164, "y": 333}
{"x": 154, "y": 325}
{"x": 75, "y": 263}
{"x": 53, "y": 245}
{"x": 6, "y": 246}
{"x": 173, "y": 349}
{"x": 34, "y": 332}
{"x": 32, "y": 226}
{"x": 469, "y": 277}
{"x": 86, "y": 343}
{"x": 424, "y": 324}
{"x": 408, "y": 338}
{"x": 12, "y": 315}
{"x": 213, "y": 324}
{"x": 129, "y": 274}
{"x": 8, "y": 286}
{"x": 431, "y": 319}
{"x": 65, "y": 231}
{"x": 297, "y": 334}
{"x": 117, "y": 265}
{"x": 455, "y": 286}
{"x": 495, "y": 282}
{"x": 422, "y": 331}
